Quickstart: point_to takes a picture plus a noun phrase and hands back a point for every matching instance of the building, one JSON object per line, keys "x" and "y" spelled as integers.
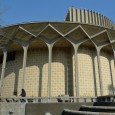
{"x": 74, "y": 58}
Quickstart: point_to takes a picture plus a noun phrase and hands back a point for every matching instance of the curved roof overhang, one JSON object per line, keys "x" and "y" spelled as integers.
{"x": 50, "y": 31}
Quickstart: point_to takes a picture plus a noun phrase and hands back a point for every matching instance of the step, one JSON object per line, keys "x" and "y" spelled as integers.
{"x": 104, "y": 104}
{"x": 73, "y": 112}
{"x": 97, "y": 108}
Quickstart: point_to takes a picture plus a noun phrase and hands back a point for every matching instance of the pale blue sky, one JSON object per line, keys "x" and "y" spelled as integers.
{"x": 18, "y": 11}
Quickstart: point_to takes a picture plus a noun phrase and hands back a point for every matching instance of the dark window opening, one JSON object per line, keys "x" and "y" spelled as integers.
{"x": 1, "y": 59}
{"x": 10, "y": 57}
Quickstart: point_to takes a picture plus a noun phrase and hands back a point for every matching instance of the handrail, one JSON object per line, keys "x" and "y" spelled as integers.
{"x": 46, "y": 99}
{"x": 57, "y": 99}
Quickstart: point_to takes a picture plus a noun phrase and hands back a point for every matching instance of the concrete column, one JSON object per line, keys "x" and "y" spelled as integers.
{"x": 112, "y": 76}
{"x": 3, "y": 70}
{"x": 24, "y": 65}
{"x": 49, "y": 69}
{"x": 98, "y": 18}
{"x": 76, "y": 70}
{"x": 114, "y": 58}
{"x": 71, "y": 14}
{"x": 74, "y": 15}
{"x": 99, "y": 70}
{"x": 113, "y": 72}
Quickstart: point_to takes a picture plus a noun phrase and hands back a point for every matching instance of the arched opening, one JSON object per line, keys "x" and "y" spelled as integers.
{"x": 36, "y": 76}
{"x": 113, "y": 65}
{"x": 86, "y": 69}
{"x": 12, "y": 78}
{"x": 62, "y": 68}
{"x": 106, "y": 56}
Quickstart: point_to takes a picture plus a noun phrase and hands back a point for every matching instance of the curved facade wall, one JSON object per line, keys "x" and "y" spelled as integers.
{"x": 62, "y": 80}
{"x": 61, "y": 59}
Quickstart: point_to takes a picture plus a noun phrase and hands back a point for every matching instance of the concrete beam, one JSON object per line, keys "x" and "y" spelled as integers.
{"x": 3, "y": 69}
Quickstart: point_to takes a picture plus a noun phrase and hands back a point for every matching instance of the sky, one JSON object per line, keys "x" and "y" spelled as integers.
{"x": 19, "y": 11}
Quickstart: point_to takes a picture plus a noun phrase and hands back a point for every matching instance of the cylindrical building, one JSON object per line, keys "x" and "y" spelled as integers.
{"x": 75, "y": 57}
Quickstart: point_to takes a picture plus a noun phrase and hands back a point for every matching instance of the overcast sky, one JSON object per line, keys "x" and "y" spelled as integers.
{"x": 18, "y": 11}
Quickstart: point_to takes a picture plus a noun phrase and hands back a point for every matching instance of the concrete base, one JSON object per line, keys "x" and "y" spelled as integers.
{"x": 12, "y": 108}
{"x": 51, "y": 108}
{"x": 19, "y": 108}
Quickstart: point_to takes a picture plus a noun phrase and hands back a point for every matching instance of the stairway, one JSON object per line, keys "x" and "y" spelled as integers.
{"x": 72, "y": 112}
{"x": 97, "y": 109}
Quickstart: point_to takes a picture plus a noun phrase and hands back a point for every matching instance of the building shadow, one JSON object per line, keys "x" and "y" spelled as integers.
{"x": 111, "y": 89}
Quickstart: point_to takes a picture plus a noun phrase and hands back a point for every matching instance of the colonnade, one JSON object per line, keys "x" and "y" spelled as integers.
{"x": 50, "y": 47}
{"x": 50, "y": 44}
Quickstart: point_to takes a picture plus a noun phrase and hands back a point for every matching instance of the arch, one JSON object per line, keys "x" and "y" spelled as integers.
{"x": 11, "y": 82}
{"x": 87, "y": 70}
{"x": 107, "y": 65}
{"x": 36, "y": 76}
{"x": 62, "y": 68}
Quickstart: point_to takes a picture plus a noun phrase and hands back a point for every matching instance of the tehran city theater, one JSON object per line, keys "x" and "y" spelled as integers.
{"x": 49, "y": 66}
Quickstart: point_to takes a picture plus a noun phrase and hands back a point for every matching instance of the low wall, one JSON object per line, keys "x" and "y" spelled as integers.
{"x": 12, "y": 108}
{"x": 52, "y": 108}
{"x": 43, "y": 108}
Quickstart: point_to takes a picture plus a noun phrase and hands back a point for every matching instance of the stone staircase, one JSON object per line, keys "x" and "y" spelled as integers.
{"x": 104, "y": 108}
{"x": 72, "y": 112}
